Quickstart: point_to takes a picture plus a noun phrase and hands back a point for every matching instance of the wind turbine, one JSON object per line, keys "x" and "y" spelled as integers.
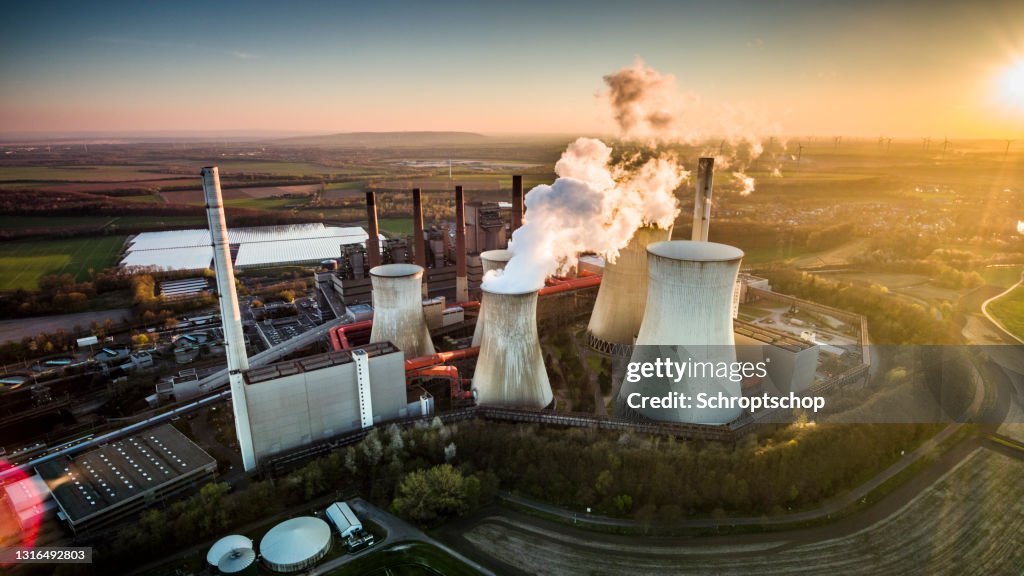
{"x": 1007, "y": 152}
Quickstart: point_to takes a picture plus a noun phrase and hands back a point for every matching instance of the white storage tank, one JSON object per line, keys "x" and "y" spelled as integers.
{"x": 295, "y": 544}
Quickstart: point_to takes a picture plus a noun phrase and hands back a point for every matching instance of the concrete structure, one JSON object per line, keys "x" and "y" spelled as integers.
{"x": 702, "y": 200}
{"x": 295, "y": 544}
{"x": 372, "y": 248}
{"x": 344, "y": 519}
{"x": 517, "y": 204}
{"x": 510, "y": 370}
{"x": 622, "y": 298}
{"x": 791, "y": 362}
{"x": 295, "y": 403}
{"x": 226, "y": 546}
{"x": 490, "y": 261}
{"x": 461, "y": 275}
{"x": 231, "y": 318}
{"x": 240, "y": 561}
{"x": 688, "y": 318}
{"x": 124, "y": 477}
{"x": 398, "y": 309}
{"x": 28, "y": 499}
{"x": 419, "y": 240}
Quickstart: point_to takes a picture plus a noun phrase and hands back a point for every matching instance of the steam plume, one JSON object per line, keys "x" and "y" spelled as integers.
{"x": 593, "y": 206}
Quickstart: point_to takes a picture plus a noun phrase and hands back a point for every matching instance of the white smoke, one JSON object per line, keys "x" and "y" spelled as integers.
{"x": 649, "y": 106}
{"x": 1020, "y": 226}
{"x": 593, "y": 206}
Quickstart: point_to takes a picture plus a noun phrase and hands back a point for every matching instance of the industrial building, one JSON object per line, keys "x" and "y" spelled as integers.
{"x": 254, "y": 247}
{"x": 295, "y": 544}
{"x": 117, "y": 480}
{"x": 291, "y": 404}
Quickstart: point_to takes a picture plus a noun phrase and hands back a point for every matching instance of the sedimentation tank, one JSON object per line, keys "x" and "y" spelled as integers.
{"x": 295, "y": 544}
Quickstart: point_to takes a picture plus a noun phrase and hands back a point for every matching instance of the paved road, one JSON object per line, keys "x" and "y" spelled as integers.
{"x": 398, "y": 531}
{"x": 984, "y": 308}
{"x": 22, "y": 327}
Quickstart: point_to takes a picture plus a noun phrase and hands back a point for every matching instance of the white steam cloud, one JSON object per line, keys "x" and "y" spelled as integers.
{"x": 649, "y": 106}
{"x": 593, "y": 206}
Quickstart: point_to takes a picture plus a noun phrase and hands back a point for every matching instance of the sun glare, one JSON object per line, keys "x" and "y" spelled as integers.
{"x": 1012, "y": 84}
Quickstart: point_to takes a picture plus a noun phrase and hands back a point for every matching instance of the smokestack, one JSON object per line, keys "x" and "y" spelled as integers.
{"x": 517, "y": 202}
{"x": 510, "y": 370}
{"x": 622, "y": 298}
{"x": 689, "y": 306}
{"x": 398, "y": 309}
{"x": 702, "y": 200}
{"x": 231, "y": 318}
{"x": 461, "y": 277}
{"x": 373, "y": 242}
{"x": 489, "y": 260}
{"x": 419, "y": 244}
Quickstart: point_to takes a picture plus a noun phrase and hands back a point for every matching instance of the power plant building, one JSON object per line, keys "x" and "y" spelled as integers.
{"x": 295, "y": 403}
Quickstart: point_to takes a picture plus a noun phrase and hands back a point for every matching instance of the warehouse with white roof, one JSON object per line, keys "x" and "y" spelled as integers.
{"x": 255, "y": 247}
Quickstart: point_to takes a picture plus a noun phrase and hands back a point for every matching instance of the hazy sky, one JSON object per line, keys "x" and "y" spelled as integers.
{"x": 856, "y": 68}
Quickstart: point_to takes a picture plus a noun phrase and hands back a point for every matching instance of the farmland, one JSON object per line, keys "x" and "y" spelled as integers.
{"x": 22, "y": 263}
{"x": 968, "y": 522}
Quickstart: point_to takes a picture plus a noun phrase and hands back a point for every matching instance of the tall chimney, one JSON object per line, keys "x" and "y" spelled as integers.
{"x": 231, "y": 318}
{"x": 373, "y": 241}
{"x": 461, "y": 277}
{"x": 517, "y": 202}
{"x": 418, "y": 243}
{"x": 702, "y": 200}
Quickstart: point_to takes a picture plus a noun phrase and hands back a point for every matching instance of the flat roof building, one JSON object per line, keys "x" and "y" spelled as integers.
{"x": 122, "y": 478}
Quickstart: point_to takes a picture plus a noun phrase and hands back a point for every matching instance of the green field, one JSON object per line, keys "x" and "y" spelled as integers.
{"x": 281, "y": 168}
{"x": 97, "y": 173}
{"x": 395, "y": 226}
{"x": 19, "y": 222}
{"x": 22, "y": 263}
{"x": 265, "y": 203}
{"x": 406, "y": 559}
{"x": 1009, "y": 310}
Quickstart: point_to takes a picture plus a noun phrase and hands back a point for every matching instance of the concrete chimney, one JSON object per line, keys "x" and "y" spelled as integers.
{"x": 510, "y": 370}
{"x": 702, "y": 200}
{"x": 461, "y": 276}
{"x": 373, "y": 241}
{"x": 398, "y": 309}
{"x": 622, "y": 298}
{"x": 231, "y": 318}
{"x": 517, "y": 202}
{"x": 688, "y": 317}
{"x": 419, "y": 244}
{"x": 489, "y": 260}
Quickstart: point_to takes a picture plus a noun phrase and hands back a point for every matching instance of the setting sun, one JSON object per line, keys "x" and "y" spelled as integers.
{"x": 1012, "y": 84}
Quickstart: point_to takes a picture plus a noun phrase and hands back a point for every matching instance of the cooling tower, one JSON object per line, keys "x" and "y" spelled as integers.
{"x": 622, "y": 298}
{"x": 398, "y": 309}
{"x": 489, "y": 260}
{"x": 231, "y": 319}
{"x": 510, "y": 370}
{"x": 688, "y": 319}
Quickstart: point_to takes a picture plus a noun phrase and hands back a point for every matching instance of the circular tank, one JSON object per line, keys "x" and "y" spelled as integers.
{"x": 226, "y": 545}
{"x": 398, "y": 309}
{"x": 510, "y": 369}
{"x": 238, "y": 561}
{"x": 295, "y": 544}
{"x": 688, "y": 319}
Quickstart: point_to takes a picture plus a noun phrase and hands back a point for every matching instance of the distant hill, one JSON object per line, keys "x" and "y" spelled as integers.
{"x": 383, "y": 139}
